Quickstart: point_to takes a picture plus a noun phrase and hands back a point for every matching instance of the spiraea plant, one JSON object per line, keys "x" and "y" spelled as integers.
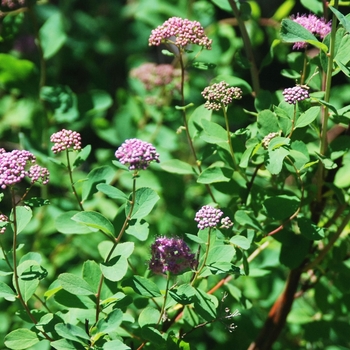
{"x": 197, "y": 199}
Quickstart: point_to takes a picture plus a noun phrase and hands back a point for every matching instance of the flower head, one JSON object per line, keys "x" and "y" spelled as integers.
{"x": 226, "y": 222}
{"x": 3, "y": 219}
{"x": 13, "y": 166}
{"x": 180, "y": 32}
{"x": 137, "y": 153}
{"x": 295, "y": 94}
{"x": 155, "y": 75}
{"x": 171, "y": 255}
{"x": 64, "y": 140}
{"x": 208, "y": 216}
{"x": 266, "y": 140}
{"x": 220, "y": 94}
{"x": 37, "y": 173}
{"x": 11, "y": 4}
{"x": 315, "y": 25}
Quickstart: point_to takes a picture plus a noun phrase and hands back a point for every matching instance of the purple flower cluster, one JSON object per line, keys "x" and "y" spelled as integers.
{"x": 295, "y": 94}
{"x": 208, "y": 216}
{"x": 153, "y": 75}
{"x": 11, "y": 4}
{"x": 266, "y": 140}
{"x": 220, "y": 94}
{"x": 13, "y": 166}
{"x": 180, "y": 32}
{"x": 37, "y": 173}
{"x": 3, "y": 218}
{"x": 171, "y": 255}
{"x": 315, "y": 25}
{"x": 64, "y": 140}
{"x": 137, "y": 153}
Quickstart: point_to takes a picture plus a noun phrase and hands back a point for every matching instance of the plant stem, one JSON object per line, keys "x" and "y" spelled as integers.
{"x": 116, "y": 241}
{"x": 70, "y": 172}
{"x": 254, "y": 73}
{"x": 165, "y": 298}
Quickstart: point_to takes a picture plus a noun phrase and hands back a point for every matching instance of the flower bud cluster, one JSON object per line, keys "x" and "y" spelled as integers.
{"x": 266, "y": 140}
{"x": 12, "y": 4}
{"x": 37, "y": 173}
{"x": 315, "y": 25}
{"x": 3, "y": 218}
{"x": 153, "y": 75}
{"x": 295, "y": 94}
{"x": 13, "y": 166}
{"x": 226, "y": 222}
{"x": 180, "y": 32}
{"x": 137, "y": 153}
{"x": 171, "y": 255}
{"x": 208, "y": 216}
{"x": 64, "y": 140}
{"x": 220, "y": 94}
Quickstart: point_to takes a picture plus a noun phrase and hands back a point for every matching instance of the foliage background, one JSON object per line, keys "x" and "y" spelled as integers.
{"x": 90, "y": 48}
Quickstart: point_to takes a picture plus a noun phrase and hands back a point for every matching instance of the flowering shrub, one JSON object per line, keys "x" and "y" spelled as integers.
{"x": 214, "y": 217}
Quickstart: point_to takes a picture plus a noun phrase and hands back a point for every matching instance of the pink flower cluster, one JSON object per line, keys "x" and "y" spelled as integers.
{"x": 295, "y": 94}
{"x": 64, "y": 140}
{"x": 137, "y": 153}
{"x": 267, "y": 139}
{"x": 11, "y": 4}
{"x": 14, "y": 168}
{"x": 180, "y": 32}
{"x": 208, "y": 217}
{"x": 153, "y": 75}
{"x": 220, "y": 94}
{"x": 315, "y": 25}
{"x": 171, "y": 255}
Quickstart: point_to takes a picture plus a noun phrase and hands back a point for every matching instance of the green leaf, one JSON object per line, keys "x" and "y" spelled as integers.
{"x": 115, "y": 269}
{"x": 267, "y": 122}
{"x": 52, "y": 35}
{"x": 124, "y": 249}
{"x": 82, "y": 155}
{"x": 6, "y": 292}
{"x": 342, "y": 19}
{"x": 176, "y": 166}
{"x": 92, "y": 274}
{"x": 111, "y": 322}
{"x": 243, "y": 218}
{"x": 103, "y": 174}
{"x": 240, "y": 241}
{"x": 75, "y": 284}
{"x": 65, "y": 224}
{"x": 138, "y": 229}
{"x": 145, "y": 200}
{"x": 309, "y": 230}
{"x": 21, "y": 338}
{"x": 115, "y": 345}
{"x": 149, "y": 316}
{"x": 293, "y": 32}
{"x": 111, "y": 191}
{"x": 64, "y": 344}
{"x": 71, "y": 332}
{"x": 142, "y": 286}
{"x": 203, "y": 304}
{"x": 275, "y": 160}
{"x": 307, "y": 118}
{"x": 196, "y": 118}
{"x": 184, "y": 294}
{"x": 215, "y": 174}
{"x": 95, "y": 220}
{"x": 281, "y": 207}
{"x": 215, "y": 134}
{"x": 220, "y": 253}
{"x": 23, "y": 216}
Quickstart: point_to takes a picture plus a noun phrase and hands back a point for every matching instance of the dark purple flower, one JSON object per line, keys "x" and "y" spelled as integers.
{"x": 13, "y": 166}
{"x": 220, "y": 94}
{"x": 65, "y": 139}
{"x": 315, "y": 25}
{"x": 295, "y": 94}
{"x": 171, "y": 255}
{"x": 180, "y": 32}
{"x": 208, "y": 216}
{"x": 137, "y": 153}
